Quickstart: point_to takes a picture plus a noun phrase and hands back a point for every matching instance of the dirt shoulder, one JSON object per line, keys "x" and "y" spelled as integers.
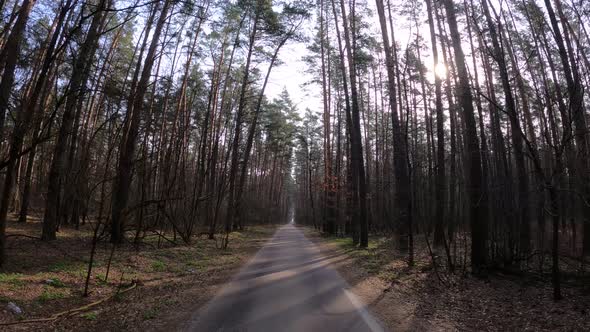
{"x": 413, "y": 299}
{"x": 167, "y": 282}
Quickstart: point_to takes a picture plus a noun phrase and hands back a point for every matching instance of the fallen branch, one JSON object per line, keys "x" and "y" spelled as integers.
{"x": 69, "y": 312}
{"x": 23, "y": 235}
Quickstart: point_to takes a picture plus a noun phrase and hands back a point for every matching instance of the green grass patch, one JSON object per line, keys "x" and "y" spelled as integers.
{"x": 164, "y": 254}
{"x": 5, "y": 299}
{"x": 388, "y": 275}
{"x": 344, "y": 242}
{"x": 60, "y": 266}
{"x": 101, "y": 278}
{"x": 74, "y": 268}
{"x": 373, "y": 264}
{"x": 200, "y": 264}
{"x": 227, "y": 259}
{"x": 236, "y": 235}
{"x": 12, "y": 279}
{"x": 89, "y": 315}
{"x": 158, "y": 266}
{"x": 55, "y": 282}
{"x": 193, "y": 258}
{"x": 372, "y": 258}
{"x": 50, "y": 294}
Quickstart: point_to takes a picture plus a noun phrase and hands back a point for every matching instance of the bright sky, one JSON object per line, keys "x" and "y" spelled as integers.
{"x": 292, "y": 75}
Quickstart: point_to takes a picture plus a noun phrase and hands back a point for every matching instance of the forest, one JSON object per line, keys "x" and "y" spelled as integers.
{"x": 454, "y": 131}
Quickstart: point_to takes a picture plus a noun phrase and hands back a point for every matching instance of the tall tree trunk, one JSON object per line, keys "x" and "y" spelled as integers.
{"x": 358, "y": 165}
{"x": 403, "y": 201}
{"x": 440, "y": 182}
{"x": 77, "y": 89}
{"x": 130, "y": 132}
{"x": 232, "y": 213}
{"x": 9, "y": 56}
{"x": 523, "y": 215}
{"x": 576, "y": 109}
{"x": 328, "y": 177}
{"x": 352, "y": 197}
{"x": 478, "y": 209}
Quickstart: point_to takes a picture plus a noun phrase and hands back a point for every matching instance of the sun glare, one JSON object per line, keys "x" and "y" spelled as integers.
{"x": 440, "y": 70}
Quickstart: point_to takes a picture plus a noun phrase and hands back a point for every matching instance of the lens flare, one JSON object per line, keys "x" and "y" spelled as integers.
{"x": 440, "y": 70}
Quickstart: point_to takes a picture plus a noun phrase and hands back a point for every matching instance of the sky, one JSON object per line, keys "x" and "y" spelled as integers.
{"x": 292, "y": 75}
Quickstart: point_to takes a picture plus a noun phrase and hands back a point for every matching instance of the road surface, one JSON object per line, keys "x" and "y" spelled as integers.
{"x": 288, "y": 286}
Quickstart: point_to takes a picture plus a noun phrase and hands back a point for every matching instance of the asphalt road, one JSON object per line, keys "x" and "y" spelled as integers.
{"x": 288, "y": 286}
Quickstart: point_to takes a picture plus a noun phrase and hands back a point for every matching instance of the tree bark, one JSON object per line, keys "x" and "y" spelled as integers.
{"x": 402, "y": 198}
{"x": 77, "y": 89}
{"x": 478, "y": 209}
{"x": 130, "y": 131}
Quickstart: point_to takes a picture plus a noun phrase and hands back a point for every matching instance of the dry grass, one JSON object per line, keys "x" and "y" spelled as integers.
{"x": 46, "y": 278}
{"x": 413, "y": 299}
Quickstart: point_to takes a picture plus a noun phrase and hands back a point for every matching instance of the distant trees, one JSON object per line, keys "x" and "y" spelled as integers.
{"x": 476, "y": 140}
{"x": 132, "y": 116}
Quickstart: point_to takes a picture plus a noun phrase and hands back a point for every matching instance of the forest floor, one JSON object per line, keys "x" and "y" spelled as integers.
{"x": 414, "y": 299}
{"x": 165, "y": 282}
